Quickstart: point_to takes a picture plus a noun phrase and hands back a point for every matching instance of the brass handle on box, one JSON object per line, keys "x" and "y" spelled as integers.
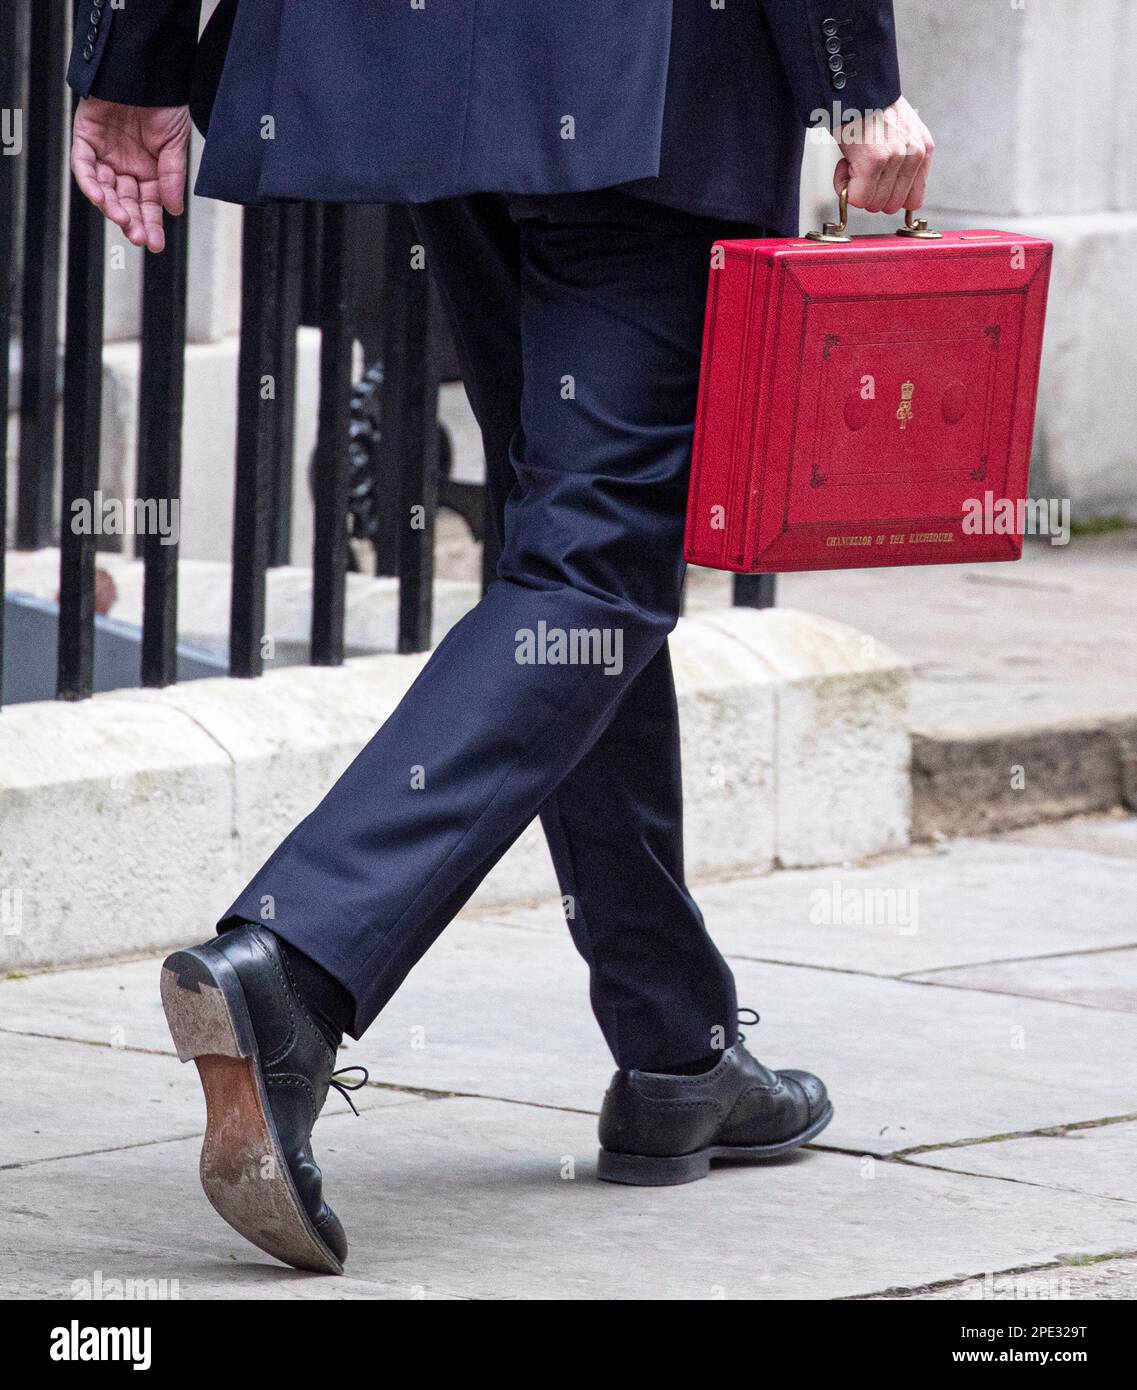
{"x": 835, "y": 231}
{"x": 838, "y": 231}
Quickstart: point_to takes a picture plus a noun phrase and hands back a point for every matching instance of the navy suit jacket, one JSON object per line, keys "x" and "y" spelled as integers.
{"x": 699, "y": 104}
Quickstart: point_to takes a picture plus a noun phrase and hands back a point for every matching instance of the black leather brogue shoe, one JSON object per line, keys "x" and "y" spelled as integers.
{"x": 266, "y": 1066}
{"x": 658, "y": 1129}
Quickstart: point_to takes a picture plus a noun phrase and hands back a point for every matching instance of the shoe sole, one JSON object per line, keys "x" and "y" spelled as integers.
{"x": 649, "y": 1170}
{"x": 243, "y": 1169}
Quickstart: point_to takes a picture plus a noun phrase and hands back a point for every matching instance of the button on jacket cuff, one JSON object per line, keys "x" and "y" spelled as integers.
{"x": 141, "y": 55}
{"x": 836, "y": 52}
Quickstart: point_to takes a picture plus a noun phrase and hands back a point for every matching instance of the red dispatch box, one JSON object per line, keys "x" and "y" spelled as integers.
{"x": 858, "y": 401}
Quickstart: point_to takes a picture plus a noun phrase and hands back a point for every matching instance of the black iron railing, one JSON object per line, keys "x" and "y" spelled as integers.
{"x": 300, "y": 265}
{"x": 11, "y": 96}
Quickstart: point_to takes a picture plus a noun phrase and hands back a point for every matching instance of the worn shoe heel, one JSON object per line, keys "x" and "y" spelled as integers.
{"x": 648, "y": 1170}
{"x": 205, "y": 1007}
{"x": 243, "y": 1169}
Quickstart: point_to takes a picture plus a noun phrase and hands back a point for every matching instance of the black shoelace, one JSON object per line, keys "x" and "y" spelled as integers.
{"x": 750, "y": 1022}
{"x": 344, "y": 1087}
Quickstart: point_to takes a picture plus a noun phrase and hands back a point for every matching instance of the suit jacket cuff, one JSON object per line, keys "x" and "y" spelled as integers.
{"x": 141, "y": 55}
{"x": 837, "y": 54}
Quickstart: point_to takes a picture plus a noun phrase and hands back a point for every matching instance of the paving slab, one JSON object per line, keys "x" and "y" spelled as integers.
{"x": 493, "y": 1011}
{"x": 907, "y": 1064}
{"x": 474, "y": 1198}
{"x": 60, "y": 1098}
{"x": 1100, "y": 1161}
{"x": 972, "y": 901}
{"x": 503, "y": 1012}
{"x": 1098, "y": 834}
{"x": 1102, "y": 1279}
{"x": 1101, "y": 980}
{"x": 117, "y": 1005}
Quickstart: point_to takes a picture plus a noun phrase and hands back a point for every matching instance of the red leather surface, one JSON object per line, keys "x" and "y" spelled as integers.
{"x": 853, "y": 398}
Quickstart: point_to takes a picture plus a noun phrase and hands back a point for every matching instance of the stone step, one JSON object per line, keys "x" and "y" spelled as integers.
{"x": 132, "y": 820}
{"x": 981, "y": 783}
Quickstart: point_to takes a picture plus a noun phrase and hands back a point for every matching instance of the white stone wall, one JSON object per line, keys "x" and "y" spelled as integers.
{"x": 1024, "y": 100}
{"x": 1029, "y": 102}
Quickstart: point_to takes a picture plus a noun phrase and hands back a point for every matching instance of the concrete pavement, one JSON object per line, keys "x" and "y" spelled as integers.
{"x": 973, "y": 1008}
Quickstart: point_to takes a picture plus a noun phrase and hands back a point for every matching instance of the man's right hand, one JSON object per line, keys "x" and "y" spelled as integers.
{"x": 885, "y": 165}
{"x": 130, "y": 161}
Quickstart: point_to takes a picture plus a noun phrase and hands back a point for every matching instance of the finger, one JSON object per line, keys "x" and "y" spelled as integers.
{"x": 127, "y": 189}
{"x": 864, "y": 191}
{"x": 112, "y": 204}
{"x": 919, "y": 189}
{"x": 918, "y": 192}
{"x": 135, "y": 228}
{"x": 876, "y": 162}
{"x": 906, "y": 172}
{"x": 89, "y": 185}
{"x": 172, "y": 177}
{"x": 152, "y": 219}
{"x": 841, "y": 175}
{"x": 83, "y": 167}
{"x": 890, "y": 176}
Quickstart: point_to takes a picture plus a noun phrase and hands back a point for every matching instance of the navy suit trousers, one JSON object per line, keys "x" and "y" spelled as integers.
{"x": 578, "y": 321}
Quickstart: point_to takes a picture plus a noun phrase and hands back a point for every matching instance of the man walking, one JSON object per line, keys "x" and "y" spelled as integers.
{"x": 570, "y": 163}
